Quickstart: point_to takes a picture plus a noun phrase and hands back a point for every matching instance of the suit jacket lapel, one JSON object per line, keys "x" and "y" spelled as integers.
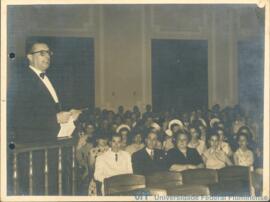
{"x": 41, "y": 85}
{"x": 147, "y": 155}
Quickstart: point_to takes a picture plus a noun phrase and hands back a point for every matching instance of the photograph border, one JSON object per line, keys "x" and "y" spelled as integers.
{"x": 4, "y": 58}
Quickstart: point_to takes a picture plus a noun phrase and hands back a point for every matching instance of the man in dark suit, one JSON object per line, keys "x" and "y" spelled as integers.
{"x": 35, "y": 105}
{"x": 149, "y": 159}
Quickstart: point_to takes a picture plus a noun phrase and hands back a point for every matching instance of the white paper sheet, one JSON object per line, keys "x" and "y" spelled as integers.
{"x": 66, "y": 129}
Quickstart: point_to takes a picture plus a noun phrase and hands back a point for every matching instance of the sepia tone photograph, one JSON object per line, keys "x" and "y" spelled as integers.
{"x": 152, "y": 101}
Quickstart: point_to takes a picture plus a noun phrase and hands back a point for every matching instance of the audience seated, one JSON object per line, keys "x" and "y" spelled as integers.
{"x": 165, "y": 141}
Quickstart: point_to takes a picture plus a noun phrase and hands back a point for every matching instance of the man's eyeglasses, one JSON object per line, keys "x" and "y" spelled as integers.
{"x": 43, "y": 52}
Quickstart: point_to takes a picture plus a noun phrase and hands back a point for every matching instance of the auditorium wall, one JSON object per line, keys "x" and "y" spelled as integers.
{"x": 122, "y": 36}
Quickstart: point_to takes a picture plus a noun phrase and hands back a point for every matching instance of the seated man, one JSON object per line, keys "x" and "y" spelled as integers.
{"x": 149, "y": 159}
{"x": 182, "y": 157}
{"x": 112, "y": 162}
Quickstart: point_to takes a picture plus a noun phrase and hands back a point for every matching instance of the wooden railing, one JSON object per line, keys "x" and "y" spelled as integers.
{"x": 43, "y": 169}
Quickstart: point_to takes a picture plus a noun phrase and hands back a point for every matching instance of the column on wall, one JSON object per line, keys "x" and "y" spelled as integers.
{"x": 222, "y": 69}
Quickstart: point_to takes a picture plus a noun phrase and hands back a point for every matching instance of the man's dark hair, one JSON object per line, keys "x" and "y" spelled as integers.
{"x": 115, "y": 135}
{"x": 148, "y": 132}
{"x": 196, "y": 128}
{"x": 243, "y": 134}
{"x": 30, "y": 45}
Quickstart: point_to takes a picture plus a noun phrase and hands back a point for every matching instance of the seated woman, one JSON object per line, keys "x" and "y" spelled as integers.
{"x": 202, "y": 128}
{"x": 100, "y": 148}
{"x": 84, "y": 145}
{"x": 175, "y": 126}
{"x": 214, "y": 157}
{"x": 250, "y": 136}
{"x": 167, "y": 140}
{"x": 182, "y": 157}
{"x": 223, "y": 144}
{"x": 137, "y": 143}
{"x": 124, "y": 131}
{"x": 154, "y": 127}
{"x": 196, "y": 142}
{"x": 243, "y": 155}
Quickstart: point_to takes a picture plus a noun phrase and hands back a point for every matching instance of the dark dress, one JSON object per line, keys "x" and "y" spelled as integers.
{"x": 175, "y": 156}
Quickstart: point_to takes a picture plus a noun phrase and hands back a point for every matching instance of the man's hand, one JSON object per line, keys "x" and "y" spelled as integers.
{"x": 189, "y": 166}
{"x": 63, "y": 117}
{"x": 82, "y": 141}
{"x": 75, "y": 113}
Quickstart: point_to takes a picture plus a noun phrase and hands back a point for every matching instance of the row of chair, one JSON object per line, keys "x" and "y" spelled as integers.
{"x": 228, "y": 181}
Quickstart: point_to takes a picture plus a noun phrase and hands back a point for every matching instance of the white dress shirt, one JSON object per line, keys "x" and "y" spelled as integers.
{"x": 107, "y": 165}
{"x": 47, "y": 83}
{"x": 150, "y": 152}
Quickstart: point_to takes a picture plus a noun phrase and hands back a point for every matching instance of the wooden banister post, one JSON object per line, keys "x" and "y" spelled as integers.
{"x": 60, "y": 171}
{"x": 46, "y": 172}
{"x": 73, "y": 171}
{"x": 15, "y": 174}
{"x": 30, "y": 173}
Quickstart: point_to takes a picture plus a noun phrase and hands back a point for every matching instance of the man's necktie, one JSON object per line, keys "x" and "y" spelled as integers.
{"x": 42, "y": 75}
{"x": 116, "y": 157}
{"x": 152, "y": 154}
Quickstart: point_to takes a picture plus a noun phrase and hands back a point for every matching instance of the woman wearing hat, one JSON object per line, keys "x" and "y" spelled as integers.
{"x": 175, "y": 126}
{"x": 124, "y": 131}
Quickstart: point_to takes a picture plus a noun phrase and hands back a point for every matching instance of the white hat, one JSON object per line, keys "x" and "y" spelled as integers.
{"x": 169, "y": 132}
{"x": 155, "y": 125}
{"x": 213, "y": 121}
{"x": 203, "y": 122}
{"x": 175, "y": 121}
{"x": 121, "y": 127}
{"x": 134, "y": 124}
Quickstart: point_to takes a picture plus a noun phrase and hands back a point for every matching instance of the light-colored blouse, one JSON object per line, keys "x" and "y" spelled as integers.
{"x": 225, "y": 147}
{"x": 244, "y": 158}
{"x": 212, "y": 158}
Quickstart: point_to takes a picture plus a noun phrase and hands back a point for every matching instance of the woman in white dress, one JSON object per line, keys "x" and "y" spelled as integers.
{"x": 243, "y": 155}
